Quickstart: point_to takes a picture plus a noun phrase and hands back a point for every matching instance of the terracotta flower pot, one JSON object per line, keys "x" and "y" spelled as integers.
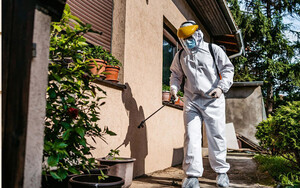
{"x": 166, "y": 96}
{"x": 97, "y": 70}
{"x": 112, "y": 73}
{"x": 91, "y": 180}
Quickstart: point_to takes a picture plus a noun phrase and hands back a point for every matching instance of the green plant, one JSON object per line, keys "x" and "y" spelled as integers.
{"x": 180, "y": 93}
{"x": 112, "y": 154}
{"x": 279, "y": 168}
{"x": 165, "y": 87}
{"x": 281, "y": 133}
{"x": 72, "y": 109}
{"x": 102, "y": 176}
{"x": 112, "y": 61}
{"x": 96, "y": 52}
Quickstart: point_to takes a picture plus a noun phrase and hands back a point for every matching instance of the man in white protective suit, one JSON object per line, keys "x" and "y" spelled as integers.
{"x": 206, "y": 79}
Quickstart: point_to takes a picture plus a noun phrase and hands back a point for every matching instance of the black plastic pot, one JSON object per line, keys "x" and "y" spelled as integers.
{"x": 49, "y": 182}
{"x": 91, "y": 180}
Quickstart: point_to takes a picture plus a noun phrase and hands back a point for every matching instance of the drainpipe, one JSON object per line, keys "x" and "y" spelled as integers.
{"x": 227, "y": 14}
{"x": 239, "y": 37}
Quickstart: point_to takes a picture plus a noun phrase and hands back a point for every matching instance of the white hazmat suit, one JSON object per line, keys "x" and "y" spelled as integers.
{"x": 198, "y": 66}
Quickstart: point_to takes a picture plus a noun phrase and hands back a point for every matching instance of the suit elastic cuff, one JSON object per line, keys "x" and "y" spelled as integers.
{"x": 173, "y": 87}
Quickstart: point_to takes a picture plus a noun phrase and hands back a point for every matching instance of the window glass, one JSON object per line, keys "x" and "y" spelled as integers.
{"x": 169, "y": 50}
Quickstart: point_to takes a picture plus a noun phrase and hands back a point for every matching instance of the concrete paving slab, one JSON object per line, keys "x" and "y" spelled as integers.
{"x": 243, "y": 173}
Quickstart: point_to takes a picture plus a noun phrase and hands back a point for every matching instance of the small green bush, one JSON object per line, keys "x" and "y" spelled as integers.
{"x": 280, "y": 133}
{"x": 280, "y": 169}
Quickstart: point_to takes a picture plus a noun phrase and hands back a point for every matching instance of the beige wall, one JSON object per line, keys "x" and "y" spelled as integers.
{"x": 37, "y": 102}
{"x": 142, "y": 37}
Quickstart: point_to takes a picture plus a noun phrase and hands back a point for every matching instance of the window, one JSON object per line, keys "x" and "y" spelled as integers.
{"x": 170, "y": 47}
{"x": 169, "y": 51}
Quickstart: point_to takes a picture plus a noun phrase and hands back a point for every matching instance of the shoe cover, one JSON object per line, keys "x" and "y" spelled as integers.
{"x": 190, "y": 183}
{"x": 222, "y": 180}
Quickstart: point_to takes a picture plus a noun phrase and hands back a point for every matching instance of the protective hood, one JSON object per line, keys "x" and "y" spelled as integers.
{"x": 189, "y": 30}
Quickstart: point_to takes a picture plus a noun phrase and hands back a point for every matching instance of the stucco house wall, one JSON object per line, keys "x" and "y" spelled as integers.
{"x": 137, "y": 41}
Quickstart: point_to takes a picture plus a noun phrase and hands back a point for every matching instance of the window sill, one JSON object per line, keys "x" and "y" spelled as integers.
{"x": 172, "y": 105}
{"x": 110, "y": 84}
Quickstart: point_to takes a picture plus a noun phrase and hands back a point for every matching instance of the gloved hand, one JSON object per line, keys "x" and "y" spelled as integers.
{"x": 216, "y": 93}
{"x": 174, "y": 94}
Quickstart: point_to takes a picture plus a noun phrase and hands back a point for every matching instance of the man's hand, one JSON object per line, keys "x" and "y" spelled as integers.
{"x": 216, "y": 93}
{"x": 174, "y": 94}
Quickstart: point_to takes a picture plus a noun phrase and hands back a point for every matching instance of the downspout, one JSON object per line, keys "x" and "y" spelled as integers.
{"x": 238, "y": 34}
{"x": 239, "y": 37}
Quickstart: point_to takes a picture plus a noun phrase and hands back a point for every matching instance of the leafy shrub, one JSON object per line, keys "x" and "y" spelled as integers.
{"x": 279, "y": 168}
{"x": 72, "y": 109}
{"x": 281, "y": 133}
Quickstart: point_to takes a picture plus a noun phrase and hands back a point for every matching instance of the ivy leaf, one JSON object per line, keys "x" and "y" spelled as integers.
{"x": 66, "y": 135}
{"x": 80, "y": 131}
{"x": 53, "y": 160}
{"x": 54, "y": 175}
{"x": 52, "y": 93}
{"x": 62, "y": 173}
{"x": 70, "y": 99}
{"x": 58, "y": 28}
{"x": 60, "y": 145}
{"x": 82, "y": 142}
{"x": 65, "y": 125}
{"x": 56, "y": 77}
{"x": 73, "y": 170}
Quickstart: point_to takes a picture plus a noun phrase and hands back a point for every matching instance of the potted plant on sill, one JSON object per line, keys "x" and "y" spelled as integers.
{"x": 72, "y": 108}
{"x": 166, "y": 96}
{"x": 97, "y": 60}
{"x": 180, "y": 101}
{"x": 112, "y": 68}
{"x": 119, "y": 166}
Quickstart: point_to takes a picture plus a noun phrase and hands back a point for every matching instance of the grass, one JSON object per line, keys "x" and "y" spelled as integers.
{"x": 280, "y": 169}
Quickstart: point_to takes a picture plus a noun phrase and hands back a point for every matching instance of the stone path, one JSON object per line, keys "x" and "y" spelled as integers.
{"x": 243, "y": 173}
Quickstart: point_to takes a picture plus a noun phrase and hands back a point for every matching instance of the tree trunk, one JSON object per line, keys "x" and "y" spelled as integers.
{"x": 270, "y": 100}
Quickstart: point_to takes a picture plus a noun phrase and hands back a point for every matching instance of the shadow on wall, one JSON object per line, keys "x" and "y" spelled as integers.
{"x": 177, "y": 156}
{"x": 238, "y": 93}
{"x": 137, "y": 138}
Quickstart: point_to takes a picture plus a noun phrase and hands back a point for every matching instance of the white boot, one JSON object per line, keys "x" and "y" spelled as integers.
{"x": 222, "y": 180}
{"x": 190, "y": 182}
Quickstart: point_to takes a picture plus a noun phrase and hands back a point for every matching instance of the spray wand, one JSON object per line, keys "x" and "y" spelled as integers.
{"x": 142, "y": 124}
